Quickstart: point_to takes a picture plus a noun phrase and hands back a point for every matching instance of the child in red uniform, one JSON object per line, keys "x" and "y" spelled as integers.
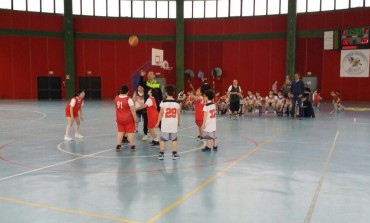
{"x": 199, "y": 112}
{"x": 74, "y": 113}
{"x": 152, "y": 112}
{"x": 125, "y": 118}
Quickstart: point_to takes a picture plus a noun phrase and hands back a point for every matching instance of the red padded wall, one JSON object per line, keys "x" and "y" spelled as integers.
{"x": 255, "y": 63}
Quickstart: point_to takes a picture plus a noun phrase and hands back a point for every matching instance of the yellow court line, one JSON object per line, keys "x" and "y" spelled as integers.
{"x": 319, "y": 185}
{"x": 27, "y": 203}
{"x": 214, "y": 177}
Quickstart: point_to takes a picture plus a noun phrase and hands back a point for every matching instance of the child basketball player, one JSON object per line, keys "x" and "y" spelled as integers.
{"x": 270, "y": 102}
{"x": 199, "y": 112}
{"x": 258, "y": 102}
{"x": 152, "y": 113}
{"x": 74, "y": 113}
{"x": 169, "y": 115}
{"x": 280, "y": 101}
{"x": 125, "y": 118}
{"x": 288, "y": 105}
{"x": 209, "y": 122}
{"x": 316, "y": 98}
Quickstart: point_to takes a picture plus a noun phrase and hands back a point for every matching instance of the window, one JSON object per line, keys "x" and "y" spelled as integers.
{"x": 76, "y": 7}
{"x": 33, "y": 5}
{"x": 198, "y": 9}
{"x": 87, "y": 7}
{"x": 59, "y": 6}
{"x": 211, "y": 9}
{"x": 172, "y": 9}
{"x": 284, "y": 6}
{"x": 162, "y": 9}
{"x": 327, "y": 5}
{"x": 301, "y": 6}
{"x": 223, "y": 8}
{"x": 113, "y": 6}
{"x": 150, "y": 9}
{"x": 5, "y": 4}
{"x": 367, "y": 3}
{"x": 248, "y": 8}
{"x": 313, "y": 6}
{"x": 138, "y": 9}
{"x": 125, "y": 8}
{"x": 235, "y": 7}
{"x": 47, "y": 6}
{"x": 19, "y": 5}
{"x": 188, "y": 9}
{"x": 357, "y": 3}
{"x": 343, "y": 4}
{"x": 273, "y": 7}
{"x": 260, "y": 7}
{"x": 100, "y": 7}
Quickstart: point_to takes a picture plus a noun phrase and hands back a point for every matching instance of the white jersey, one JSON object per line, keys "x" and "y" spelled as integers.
{"x": 210, "y": 125}
{"x": 170, "y": 117}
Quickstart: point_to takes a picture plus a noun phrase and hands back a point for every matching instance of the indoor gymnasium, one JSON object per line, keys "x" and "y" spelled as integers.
{"x": 270, "y": 116}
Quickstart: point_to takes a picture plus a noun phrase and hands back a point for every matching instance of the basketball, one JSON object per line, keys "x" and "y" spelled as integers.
{"x": 133, "y": 40}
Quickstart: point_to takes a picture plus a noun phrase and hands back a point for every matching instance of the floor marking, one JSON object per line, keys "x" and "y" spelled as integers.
{"x": 323, "y": 173}
{"x": 354, "y": 120}
{"x": 27, "y": 203}
{"x": 57, "y": 164}
{"x": 214, "y": 177}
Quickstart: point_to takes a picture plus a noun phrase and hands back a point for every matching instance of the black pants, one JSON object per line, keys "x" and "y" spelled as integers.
{"x": 142, "y": 113}
{"x": 234, "y": 106}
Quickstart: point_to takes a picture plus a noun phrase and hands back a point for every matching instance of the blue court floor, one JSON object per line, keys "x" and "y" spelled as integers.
{"x": 267, "y": 169}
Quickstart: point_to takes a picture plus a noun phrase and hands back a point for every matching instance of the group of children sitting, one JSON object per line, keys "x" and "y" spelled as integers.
{"x": 252, "y": 103}
{"x": 279, "y": 104}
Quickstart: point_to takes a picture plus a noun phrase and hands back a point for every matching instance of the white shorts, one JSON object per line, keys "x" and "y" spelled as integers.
{"x": 167, "y": 136}
{"x": 209, "y": 135}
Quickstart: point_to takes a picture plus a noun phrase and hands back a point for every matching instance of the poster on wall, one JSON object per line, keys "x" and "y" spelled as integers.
{"x": 354, "y": 63}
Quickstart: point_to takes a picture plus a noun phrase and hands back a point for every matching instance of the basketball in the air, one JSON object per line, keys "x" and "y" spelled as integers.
{"x": 133, "y": 40}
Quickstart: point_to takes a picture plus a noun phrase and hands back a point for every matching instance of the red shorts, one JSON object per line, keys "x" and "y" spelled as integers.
{"x": 127, "y": 128}
{"x": 68, "y": 114}
{"x": 199, "y": 122}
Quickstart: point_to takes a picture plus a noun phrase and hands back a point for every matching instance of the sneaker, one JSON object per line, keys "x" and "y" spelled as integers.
{"x": 154, "y": 143}
{"x": 175, "y": 156}
{"x": 161, "y": 156}
{"x": 215, "y": 148}
{"x": 145, "y": 137}
{"x": 205, "y": 149}
{"x": 78, "y": 136}
{"x": 118, "y": 148}
{"x": 199, "y": 138}
{"x": 133, "y": 148}
{"x": 67, "y": 138}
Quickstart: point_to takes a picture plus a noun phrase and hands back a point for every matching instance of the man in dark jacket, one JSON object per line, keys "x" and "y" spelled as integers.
{"x": 297, "y": 90}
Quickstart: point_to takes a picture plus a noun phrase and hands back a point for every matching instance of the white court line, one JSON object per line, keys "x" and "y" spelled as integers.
{"x": 323, "y": 173}
{"x": 46, "y": 167}
{"x": 24, "y": 122}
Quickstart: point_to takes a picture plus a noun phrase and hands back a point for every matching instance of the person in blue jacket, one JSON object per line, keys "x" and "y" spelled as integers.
{"x": 297, "y": 90}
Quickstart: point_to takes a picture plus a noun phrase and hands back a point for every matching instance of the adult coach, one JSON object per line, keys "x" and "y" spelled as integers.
{"x": 150, "y": 83}
{"x": 297, "y": 90}
{"x": 235, "y": 93}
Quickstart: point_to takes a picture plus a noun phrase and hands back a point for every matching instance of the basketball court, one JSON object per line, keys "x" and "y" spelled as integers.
{"x": 267, "y": 169}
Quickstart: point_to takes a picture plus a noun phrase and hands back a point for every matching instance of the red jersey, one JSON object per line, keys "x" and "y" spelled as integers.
{"x": 123, "y": 111}
{"x": 76, "y": 103}
{"x": 316, "y": 98}
{"x": 152, "y": 112}
{"x": 199, "y": 110}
